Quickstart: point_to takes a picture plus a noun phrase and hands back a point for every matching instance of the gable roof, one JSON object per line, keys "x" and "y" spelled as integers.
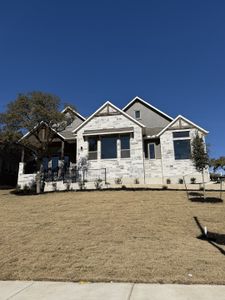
{"x": 74, "y": 111}
{"x": 184, "y": 119}
{"x": 42, "y": 123}
{"x": 102, "y": 107}
{"x": 148, "y": 105}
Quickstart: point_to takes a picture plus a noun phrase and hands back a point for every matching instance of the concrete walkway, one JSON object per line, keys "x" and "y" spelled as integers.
{"x": 35, "y": 290}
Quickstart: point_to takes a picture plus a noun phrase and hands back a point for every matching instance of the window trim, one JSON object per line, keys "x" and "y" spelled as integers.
{"x": 139, "y": 114}
{"x": 149, "y": 151}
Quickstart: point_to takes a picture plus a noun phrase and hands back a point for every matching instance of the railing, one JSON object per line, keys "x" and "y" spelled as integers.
{"x": 75, "y": 175}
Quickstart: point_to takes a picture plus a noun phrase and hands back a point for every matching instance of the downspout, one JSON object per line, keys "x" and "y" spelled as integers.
{"x": 143, "y": 154}
{"x": 161, "y": 161}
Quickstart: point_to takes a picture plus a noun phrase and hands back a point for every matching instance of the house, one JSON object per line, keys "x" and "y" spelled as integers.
{"x": 138, "y": 143}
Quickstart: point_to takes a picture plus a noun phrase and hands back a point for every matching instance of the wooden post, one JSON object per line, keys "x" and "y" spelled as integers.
{"x": 186, "y": 187}
{"x": 221, "y": 188}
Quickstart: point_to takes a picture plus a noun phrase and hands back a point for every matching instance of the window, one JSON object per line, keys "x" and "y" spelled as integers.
{"x": 137, "y": 114}
{"x": 182, "y": 145}
{"x": 109, "y": 147}
{"x": 181, "y": 134}
{"x": 92, "y": 148}
{"x": 182, "y": 149}
{"x": 45, "y": 164}
{"x": 151, "y": 151}
{"x": 55, "y": 163}
{"x": 125, "y": 146}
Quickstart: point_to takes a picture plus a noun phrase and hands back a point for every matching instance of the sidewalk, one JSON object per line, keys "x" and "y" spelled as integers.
{"x": 30, "y": 290}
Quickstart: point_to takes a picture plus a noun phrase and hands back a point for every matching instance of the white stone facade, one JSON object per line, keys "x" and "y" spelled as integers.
{"x": 128, "y": 169}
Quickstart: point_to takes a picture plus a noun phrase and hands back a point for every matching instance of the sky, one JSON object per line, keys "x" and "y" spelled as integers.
{"x": 171, "y": 53}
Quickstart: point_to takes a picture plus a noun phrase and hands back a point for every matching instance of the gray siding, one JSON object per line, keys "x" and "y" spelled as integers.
{"x": 149, "y": 117}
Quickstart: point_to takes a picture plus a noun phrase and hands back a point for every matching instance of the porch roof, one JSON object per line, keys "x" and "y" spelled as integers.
{"x": 108, "y": 131}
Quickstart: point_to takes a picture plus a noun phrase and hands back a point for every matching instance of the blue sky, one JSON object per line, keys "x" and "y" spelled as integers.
{"x": 171, "y": 53}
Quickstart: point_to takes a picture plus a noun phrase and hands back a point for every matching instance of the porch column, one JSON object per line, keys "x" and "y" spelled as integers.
{"x": 22, "y": 156}
{"x": 62, "y": 149}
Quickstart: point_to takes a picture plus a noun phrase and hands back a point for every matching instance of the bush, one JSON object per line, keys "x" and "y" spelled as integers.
{"x": 54, "y": 185}
{"x": 193, "y": 180}
{"x": 98, "y": 183}
{"x": 164, "y": 187}
{"x": 123, "y": 187}
{"x": 118, "y": 180}
{"x": 136, "y": 181}
{"x": 180, "y": 181}
{"x": 168, "y": 181}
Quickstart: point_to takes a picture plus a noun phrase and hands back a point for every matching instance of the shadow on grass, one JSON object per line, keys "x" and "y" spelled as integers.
{"x": 211, "y": 237}
{"x": 23, "y": 193}
{"x": 196, "y": 194}
{"x": 206, "y": 199}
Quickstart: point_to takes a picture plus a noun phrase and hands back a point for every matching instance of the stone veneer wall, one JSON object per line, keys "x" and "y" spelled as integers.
{"x": 126, "y": 168}
{"x": 175, "y": 169}
{"x": 25, "y": 179}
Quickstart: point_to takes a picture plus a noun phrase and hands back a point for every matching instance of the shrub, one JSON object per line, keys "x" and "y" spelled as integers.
{"x": 68, "y": 186}
{"x": 168, "y": 181}
{"x": 118, "y": 180}
{"x": 82, "y": 184}
{"x": 54, "y": 185}
{"x": 180, "y": 181}
{"x": 18, "y": 188}
{"x": 98, "y": 183}
{"x": 136, "y": 181}
{"x": 164, "y": 187}
{"x": 193, "y": 180}
{"x": 123, "y": 187}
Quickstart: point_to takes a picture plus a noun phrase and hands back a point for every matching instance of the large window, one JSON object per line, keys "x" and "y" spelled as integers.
{"x": 125, "y": 146}
{"x": 92, "y": 148}
{"x": 182, "y": 145}
{"x": 109, "y": 147}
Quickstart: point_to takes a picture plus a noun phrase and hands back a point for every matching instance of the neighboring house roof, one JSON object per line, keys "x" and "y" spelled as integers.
{"x": 68, "y": 108}
{"x": 113, "y": 106}
{"x": 184, "y": 119}
{"x": 135, "y": 99}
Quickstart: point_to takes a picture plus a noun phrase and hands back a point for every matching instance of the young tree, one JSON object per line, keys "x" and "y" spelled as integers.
{"x": 200, "y": 156}
{"x": 25, "y": 114}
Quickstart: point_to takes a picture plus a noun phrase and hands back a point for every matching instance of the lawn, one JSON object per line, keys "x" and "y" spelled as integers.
{"x": 142, "y": 236}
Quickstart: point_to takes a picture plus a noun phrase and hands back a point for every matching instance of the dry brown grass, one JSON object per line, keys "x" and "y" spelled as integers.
{"x": 144, "y": 236}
